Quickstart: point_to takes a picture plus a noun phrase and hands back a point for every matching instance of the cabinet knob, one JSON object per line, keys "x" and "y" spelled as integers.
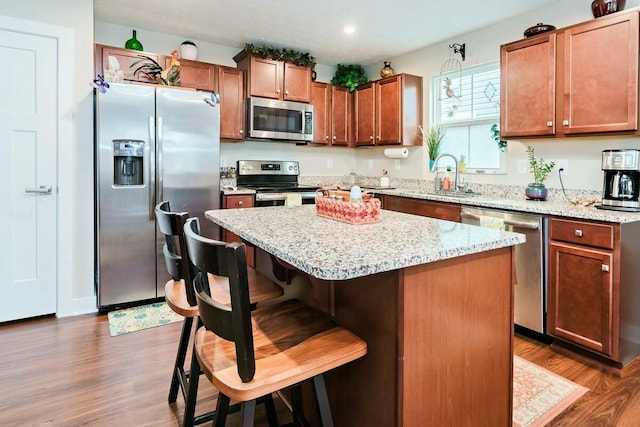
{"x": 371, "y": 137}
{"x": 605, "y": 268}
{"x": 240, "y": 202}
{"x": 578, "y": 233}
{"x": 549, "y": 124}
{"x": 277, "y": 90}
{"x": 326, "y": 137}
{"x": 334, "y": 137}
{"x": 241, "y": 131}
{"x": 378, "y": 137}
{"x": 286, "y": 92}
{"x": 565, "y": 122}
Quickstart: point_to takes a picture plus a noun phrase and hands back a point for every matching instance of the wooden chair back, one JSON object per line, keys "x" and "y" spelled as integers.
{"x": 233, "y": 324}
{"x": 171, "y": 224}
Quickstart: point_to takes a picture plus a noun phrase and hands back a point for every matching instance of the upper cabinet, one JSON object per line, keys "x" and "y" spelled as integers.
{"x": 269, "y": 78}
{"x": 194, "y": 74}
{"x": 389, "y": 111}
{"x": 125, "y": 58}
{"x": 579, "y": 80}
{"x": 331, "y": 114}
{"x": 230, "y": 89}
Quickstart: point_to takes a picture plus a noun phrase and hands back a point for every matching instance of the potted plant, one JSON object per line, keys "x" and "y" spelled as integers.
{"x": 349, "y": 76}
{"x": 541, "y": 170}
{"x": 433, "y": 141}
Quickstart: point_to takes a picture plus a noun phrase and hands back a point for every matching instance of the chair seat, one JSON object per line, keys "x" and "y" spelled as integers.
{"x": 292, "y": 343}
{"x": 261, "y": 288}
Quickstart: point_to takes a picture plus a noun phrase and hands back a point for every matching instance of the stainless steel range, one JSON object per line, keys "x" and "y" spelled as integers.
{"x": 274, "y": 181}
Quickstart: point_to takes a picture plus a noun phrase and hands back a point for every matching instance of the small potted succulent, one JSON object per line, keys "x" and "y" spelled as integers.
{"x": 541, "y": 170}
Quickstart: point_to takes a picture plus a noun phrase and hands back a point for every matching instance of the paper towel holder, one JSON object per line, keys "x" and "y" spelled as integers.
{"x": 396, "y": 153}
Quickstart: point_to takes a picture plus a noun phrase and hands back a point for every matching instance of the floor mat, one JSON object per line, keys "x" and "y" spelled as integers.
{"x": 147, "y": 316}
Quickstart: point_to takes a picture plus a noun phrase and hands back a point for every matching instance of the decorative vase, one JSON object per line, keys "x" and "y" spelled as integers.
{"x": 387, "y": 71}
{"x": 605, "y": 7}
{"x": 188, "y": 50}
{"x": 536, "y": 191}
{"x": 133, "y": 43}
{"x": 431, "y": 162}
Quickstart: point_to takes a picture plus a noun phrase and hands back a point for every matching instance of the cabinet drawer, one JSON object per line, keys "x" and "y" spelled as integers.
{"x": 237, "y": 201}
{"x": 582, "y": 233}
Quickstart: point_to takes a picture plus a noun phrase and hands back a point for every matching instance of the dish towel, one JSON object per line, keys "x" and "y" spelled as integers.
{"x": 492, "y": 222}
{"x": 293, "y": 199}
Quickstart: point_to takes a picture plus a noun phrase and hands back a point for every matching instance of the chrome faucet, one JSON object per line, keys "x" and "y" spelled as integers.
{"x": 434, "y": 168}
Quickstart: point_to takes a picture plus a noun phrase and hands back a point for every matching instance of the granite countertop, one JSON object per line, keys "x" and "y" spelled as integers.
{"x": 553, "y": 207}
{"x": 230, "y": 191}
{"x": 333, "y": 250}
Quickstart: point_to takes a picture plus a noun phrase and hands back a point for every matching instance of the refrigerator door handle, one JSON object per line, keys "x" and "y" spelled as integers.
{"x": 152, "y": 169}
{"x": 159, "y": 142}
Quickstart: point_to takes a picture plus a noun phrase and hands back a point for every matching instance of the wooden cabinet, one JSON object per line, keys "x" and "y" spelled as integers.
{"x": 195, "y": 74}
{"x": 125, "y": 58}
{"x": 578, "y": 80}
{"x": 269, "y": 78}
{"x": 237, "y": 201}
{"x": 230, "y": 88}
{"x": 389, "y": 111}
{"x": 584, "y": 283}
{"x": 438, "y": 210}
{"x": 331, "y": 114}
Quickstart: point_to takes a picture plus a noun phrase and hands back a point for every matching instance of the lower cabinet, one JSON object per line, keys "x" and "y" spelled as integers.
{"x": 584, "y": 285}
{"x": 236, "y": 201}
{"x": 438, "y": 210}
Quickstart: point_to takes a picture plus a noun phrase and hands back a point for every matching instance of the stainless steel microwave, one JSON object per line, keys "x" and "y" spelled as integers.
{"x": 285, "y": 120}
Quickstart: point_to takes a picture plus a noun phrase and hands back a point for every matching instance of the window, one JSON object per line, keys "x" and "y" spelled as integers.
{"x": 466, "y": 103}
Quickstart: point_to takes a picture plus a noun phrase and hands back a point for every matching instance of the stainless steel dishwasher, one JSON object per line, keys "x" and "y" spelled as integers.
{"x": 530, "y": 261}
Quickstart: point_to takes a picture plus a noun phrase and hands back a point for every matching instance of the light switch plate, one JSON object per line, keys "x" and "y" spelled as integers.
{"x": 523, "y": 166}
{"x": 329, "y": 164}
{"x": 370, "y": 164}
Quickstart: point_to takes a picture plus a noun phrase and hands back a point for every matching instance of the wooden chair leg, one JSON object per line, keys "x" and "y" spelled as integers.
{"x": 248, "y": 413}
{"x": 323, "y": 401}
{"x": 222, "y": 409}
{"x": 179, "y": 378}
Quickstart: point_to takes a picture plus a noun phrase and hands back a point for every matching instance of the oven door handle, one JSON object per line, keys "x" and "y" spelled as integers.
{"x": 269, "y": 197}
{"x": 529, "y": 225}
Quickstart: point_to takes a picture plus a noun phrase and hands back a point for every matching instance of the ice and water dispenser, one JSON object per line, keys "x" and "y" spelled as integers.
{"x": 128, "y": 156}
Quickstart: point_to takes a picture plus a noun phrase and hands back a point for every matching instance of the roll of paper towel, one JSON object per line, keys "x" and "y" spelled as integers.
{"x": 396, "y": 153}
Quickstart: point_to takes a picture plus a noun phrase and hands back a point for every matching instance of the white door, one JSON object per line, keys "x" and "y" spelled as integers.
{"x": 28, "y": 172}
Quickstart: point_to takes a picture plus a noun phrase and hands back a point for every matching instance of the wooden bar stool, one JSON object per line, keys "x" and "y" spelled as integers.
{"x": 182, "y": 300}
{"x": 251, "y": 354}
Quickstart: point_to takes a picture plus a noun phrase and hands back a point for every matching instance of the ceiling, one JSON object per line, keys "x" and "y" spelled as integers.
{"x": 383, "y": 28}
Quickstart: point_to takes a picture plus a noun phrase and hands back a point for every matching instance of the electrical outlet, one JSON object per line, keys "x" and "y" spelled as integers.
{"x": 523, "y": 166}
{"x": 396, "y": 164}
{"x": 329, "y": 164}
{"x": 370, "y": 164}
{"x": 564, "y": 165}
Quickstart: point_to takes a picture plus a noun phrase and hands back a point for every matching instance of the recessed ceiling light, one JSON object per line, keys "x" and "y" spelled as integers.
{"x": 348, "y": 29}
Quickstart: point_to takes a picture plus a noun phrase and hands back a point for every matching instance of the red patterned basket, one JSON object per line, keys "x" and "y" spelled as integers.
{"x": 366, "y": 212}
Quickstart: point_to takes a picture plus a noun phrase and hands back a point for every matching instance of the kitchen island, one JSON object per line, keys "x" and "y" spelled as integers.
{"x": 433, "y": 299}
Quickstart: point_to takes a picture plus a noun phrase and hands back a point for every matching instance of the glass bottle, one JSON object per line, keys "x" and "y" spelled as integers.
{"x": 133, "y": 43}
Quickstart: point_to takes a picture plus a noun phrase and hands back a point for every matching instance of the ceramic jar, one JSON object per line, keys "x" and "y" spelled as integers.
{"x": 535, "y": 191}
{"x": 605, "y": 7}
{"x": 188, "y": 50}
{"x": 387, "y": 71}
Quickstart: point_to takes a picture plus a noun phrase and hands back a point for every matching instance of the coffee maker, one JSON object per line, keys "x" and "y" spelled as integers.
{"x": 621, "y": 180}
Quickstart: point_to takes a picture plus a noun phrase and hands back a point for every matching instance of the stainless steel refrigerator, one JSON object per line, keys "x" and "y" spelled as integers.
{"x": 152, "y": 144}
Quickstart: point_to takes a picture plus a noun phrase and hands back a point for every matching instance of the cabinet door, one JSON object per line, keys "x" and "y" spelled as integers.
{"x": 582, "y": 301}
{"x": 265, "y": 77}
{"x": 125, "y": 58}
{"x": 321, "y": 100}
{"x": 364, "y": 101}
{"x": 231, "y": 91}
{"x": 297, "y": 83}
{"x": 340, "y": 115}
{"x": 601, "y": 75}
{"x": 236, "y": 202}
{"x": 438, "y": 210}
{"x": 389, "y": 111}
{"x": 527, "y": 87}
{"x": 194, "y": 74}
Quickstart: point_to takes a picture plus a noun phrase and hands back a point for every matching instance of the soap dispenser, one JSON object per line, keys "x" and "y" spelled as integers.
{"x": 446, "y": 181}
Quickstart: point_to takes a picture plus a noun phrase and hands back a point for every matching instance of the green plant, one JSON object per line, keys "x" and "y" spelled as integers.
{"x": 495, "y": 134}
{"x": 290, "y": 55}
{"x": 349, "y": 76}
{"x": 539, "y": 167}
{"x": 433, "y": 140}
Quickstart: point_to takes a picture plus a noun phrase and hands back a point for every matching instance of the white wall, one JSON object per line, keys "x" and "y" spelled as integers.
{"x": 482, "y": 46}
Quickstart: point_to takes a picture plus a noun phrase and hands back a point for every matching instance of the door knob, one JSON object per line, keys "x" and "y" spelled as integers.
{"x": 43, "y": 189}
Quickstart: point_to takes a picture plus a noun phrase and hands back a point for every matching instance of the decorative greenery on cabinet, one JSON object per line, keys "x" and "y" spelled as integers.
{"x": 284, "y": 54}
{"x": 349, "y": 76}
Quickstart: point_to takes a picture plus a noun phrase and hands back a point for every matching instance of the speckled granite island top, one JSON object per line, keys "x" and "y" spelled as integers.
{"x": 333, "y": 250}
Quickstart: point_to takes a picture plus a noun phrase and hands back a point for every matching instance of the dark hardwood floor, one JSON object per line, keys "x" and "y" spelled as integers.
{"x": 70, "y": 372}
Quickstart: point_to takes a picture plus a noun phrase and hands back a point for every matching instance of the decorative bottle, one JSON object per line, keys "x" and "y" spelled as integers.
{"x": 386, "y": 71}
{"x": 446, "y": 181}
{"x": 133, "y": 43}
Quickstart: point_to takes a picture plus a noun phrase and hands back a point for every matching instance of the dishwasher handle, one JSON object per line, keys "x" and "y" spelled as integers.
{"x": 529, "y": 225}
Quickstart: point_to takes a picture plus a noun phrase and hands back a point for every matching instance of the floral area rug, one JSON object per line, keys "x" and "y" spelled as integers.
{"x": 135, "y": 319}
{"x": 539, "y": 395}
